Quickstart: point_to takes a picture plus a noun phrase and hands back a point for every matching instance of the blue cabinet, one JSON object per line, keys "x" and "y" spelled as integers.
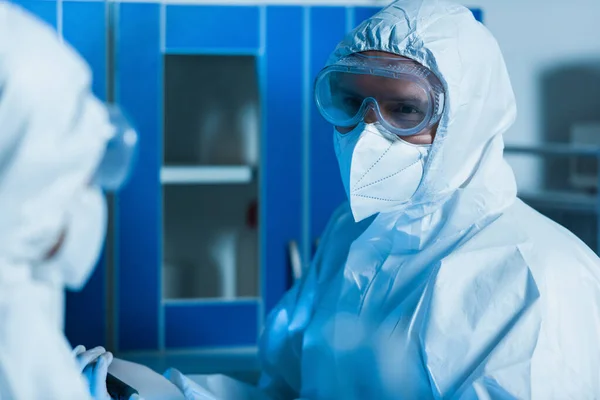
{"x": 206, "y": 84}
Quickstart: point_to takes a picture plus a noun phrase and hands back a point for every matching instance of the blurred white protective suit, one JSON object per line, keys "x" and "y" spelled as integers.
{"x": 463, "y": 292}
{"x": 52, "y": 136}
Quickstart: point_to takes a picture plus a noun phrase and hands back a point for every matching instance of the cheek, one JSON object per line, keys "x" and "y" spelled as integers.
{"x": 425, "y": 137}
{"x": 341, "y": 129}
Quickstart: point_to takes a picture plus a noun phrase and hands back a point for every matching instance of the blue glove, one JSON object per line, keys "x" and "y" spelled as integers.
{"x": 94, "y": 366}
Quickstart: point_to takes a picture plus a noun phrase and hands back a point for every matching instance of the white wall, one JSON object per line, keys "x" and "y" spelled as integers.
{"x": 538, "y": 36}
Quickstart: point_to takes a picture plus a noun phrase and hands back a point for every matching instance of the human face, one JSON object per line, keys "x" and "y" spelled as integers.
{"x": 387, "y": 91}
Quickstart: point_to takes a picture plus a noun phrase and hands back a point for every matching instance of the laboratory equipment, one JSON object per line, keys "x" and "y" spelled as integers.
{"x": 118, "y": 389}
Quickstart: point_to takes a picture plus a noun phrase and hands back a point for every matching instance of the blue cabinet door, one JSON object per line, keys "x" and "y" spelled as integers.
{"x": 138, "y": 90}
{"x": 285, "y": 100}
{"x": 145, "y": 35}
{"x": 84, "y": 27}
{"x": 47, "y": 11}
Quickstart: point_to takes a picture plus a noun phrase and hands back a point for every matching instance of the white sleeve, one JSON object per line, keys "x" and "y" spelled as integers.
{"x": 281, "y": 342}
{"x": 35, "y": 358}
{"x": 482, "y": 325}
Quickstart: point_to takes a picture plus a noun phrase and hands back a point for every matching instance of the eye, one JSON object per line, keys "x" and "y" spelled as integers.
{"x": 351, "y": 103}
{"x": 406, "y": 109}
{"x": 405, "y": 112}
{"x": 351, "y": 100}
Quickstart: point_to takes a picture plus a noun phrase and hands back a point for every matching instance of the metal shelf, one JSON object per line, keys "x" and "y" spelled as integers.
{"x": 560, "y": 200}
{"x": 220, "y": 175}
{"x": 209, "y": 300}
{"x": 577, "y": 202}
{"x": 555, "y": 149}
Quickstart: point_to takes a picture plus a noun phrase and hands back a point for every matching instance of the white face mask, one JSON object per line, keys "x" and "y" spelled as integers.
{"x": 378, "y": 173}
{"x": 73, "y": 264}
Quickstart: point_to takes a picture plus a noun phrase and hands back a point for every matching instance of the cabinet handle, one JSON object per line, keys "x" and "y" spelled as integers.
{"x": 295, "y": 259}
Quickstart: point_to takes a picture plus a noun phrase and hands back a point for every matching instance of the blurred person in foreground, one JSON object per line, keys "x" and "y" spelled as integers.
{"x": 59, "y": 148}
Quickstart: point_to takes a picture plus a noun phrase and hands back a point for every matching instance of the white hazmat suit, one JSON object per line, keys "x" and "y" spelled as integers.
{"x": 463, "y": 292}
{"x": 53, "y": 133}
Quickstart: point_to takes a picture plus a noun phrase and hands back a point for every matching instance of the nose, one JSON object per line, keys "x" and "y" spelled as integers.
{"x": 370, "y": 116}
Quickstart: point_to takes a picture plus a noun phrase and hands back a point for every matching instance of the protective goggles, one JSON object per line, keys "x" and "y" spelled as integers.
{"x": 120, "y": 154}
{"x": 405, "y": 96}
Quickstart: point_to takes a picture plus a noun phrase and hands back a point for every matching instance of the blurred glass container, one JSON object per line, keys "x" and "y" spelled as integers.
{"x": 212, "y": 111}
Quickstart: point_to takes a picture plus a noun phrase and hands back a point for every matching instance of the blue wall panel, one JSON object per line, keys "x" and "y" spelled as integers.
{"x": 478, "y": 14}
{"x": 281, "y": 206}
{"x": 45, "y": 10}
{"x": 363, "y": 13}
{"x": 85, "y": 315}
{"x": 327, "y": 28}
{"x": 139, "y": 91}
{"x": 203, "y": 28}
{"x": 84, "y": 27}
{"x": 211, "y": 325}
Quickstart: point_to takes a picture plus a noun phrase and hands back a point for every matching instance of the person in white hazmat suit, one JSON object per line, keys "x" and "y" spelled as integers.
{"x": 435, "y": 281}
{"x": 59, "y": 146}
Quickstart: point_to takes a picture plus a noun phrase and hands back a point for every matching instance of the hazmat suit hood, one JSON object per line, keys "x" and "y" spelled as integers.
{"x": 53, "y": 133}
{"x": 467, "y": 154}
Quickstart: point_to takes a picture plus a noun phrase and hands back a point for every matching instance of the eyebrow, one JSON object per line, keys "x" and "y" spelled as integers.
{"x": 410, "y": 98}
{"x": 349, "y": 91}
{"x": 398, "y": 98}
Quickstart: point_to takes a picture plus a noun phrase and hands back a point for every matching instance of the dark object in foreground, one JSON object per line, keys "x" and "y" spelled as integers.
{"x": 118, "y": 389}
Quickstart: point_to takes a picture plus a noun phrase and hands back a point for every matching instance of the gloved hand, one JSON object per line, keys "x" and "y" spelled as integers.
{"x": 94, "y": 366}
